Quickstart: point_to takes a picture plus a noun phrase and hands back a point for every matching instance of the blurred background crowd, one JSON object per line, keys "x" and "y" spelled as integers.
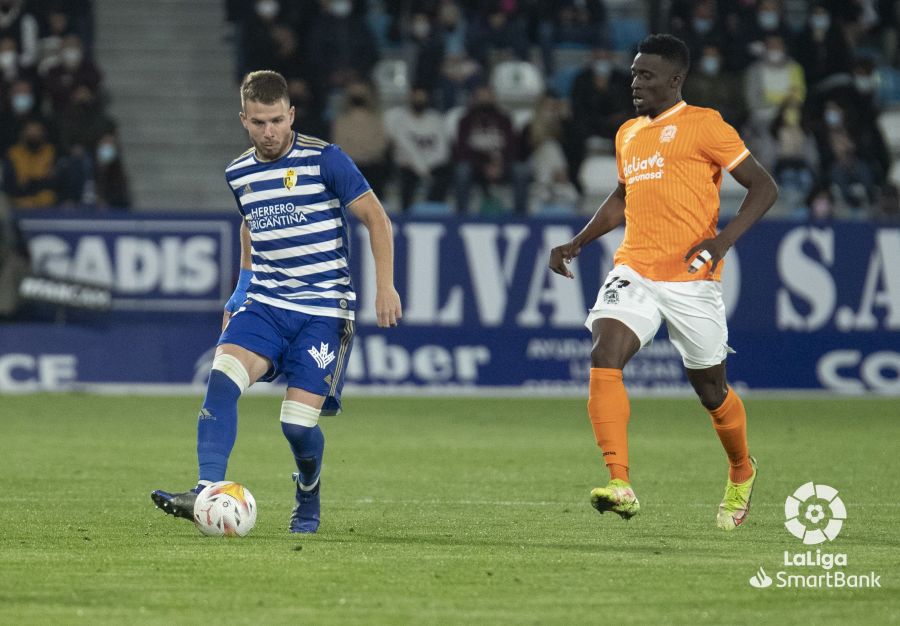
{"x": 492, "y": 107}
{"x": 58, "y": 143}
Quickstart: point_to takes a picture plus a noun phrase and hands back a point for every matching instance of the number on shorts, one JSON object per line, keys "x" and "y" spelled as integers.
{"x": 620, "y": 285}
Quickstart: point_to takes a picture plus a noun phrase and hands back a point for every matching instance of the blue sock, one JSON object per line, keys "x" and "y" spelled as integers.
{"x": 308, "y": 446}
{"x": 217, "y": 426}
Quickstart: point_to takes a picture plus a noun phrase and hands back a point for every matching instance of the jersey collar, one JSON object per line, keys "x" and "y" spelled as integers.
{"x": 672, "y": 110}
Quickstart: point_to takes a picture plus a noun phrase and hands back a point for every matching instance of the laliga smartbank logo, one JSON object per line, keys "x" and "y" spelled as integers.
{"x": 815, "y": 513}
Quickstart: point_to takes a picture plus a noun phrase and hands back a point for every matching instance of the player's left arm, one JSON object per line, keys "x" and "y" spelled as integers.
{"x": 246, "y": 275}
{"x": 368, "y": 210}
{"x": 761, "y": 195}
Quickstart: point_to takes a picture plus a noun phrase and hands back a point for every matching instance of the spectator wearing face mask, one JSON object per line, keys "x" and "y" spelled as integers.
{"x": 792, "y": 154}
{"x": 110, "y": 181}
{"x": 458, "y": 73}
{"x": 486, "y": 154}
{"x": 428, "y": 50}
{"x": 257, "y": 43}
{"x": 21, "y": 106}
{"x": 83, "y": 121}
{"x": 710, "y": 85}
{"x": 307, "y": 110}
{"x": 359, "y": 131}
{"x": 56, "y": 26}
{"x": 822, "y": 48}
{"x": 421, "y": 149}
{"x": 568, "y": 22}
{"x": 698, "y": 29}
{"x": 767, "y": 21}
{"x": 29, "y": 169}
{"x": 745, "y": 29}
{"x": 543, "y": 150}
{"x": 18, "y": 24}
{"x": 771, "y": 81}
{"x": 10, "y": 69}
{"x": 847, "y": 159}
{"x": 497, "y": 24}
{"x": 342, "y": 44}
{"x": 601, "y": 98}
{"x": 74, "y": 70}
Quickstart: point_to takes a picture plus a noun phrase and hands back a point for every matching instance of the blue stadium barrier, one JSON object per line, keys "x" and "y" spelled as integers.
{"x": 809, "y": 307}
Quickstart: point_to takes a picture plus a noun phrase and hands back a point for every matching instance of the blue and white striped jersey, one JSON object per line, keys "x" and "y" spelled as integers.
{"x": 295, "y": 209}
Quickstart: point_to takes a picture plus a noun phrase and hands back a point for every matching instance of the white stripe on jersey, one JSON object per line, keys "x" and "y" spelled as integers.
{"x": 300, "y": 170}
{"x": 296, "y": 231}
{"x": 298, "y": 251}
{"x": 303, "y": 308}
{"x": 303, "y": 153}
{"x": 281, "y": 192}
{"x": 312, "y": 295}
{"x": 303, "y": 270}
{"x": 293, "y": 283}
{"x": 240, "y": 163}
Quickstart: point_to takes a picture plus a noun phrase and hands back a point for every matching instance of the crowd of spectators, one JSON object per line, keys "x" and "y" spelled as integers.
{"x": 410, "y": 89}
{"x": 59, "y": 147}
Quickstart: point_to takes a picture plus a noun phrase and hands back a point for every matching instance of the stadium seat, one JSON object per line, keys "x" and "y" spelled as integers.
{"x": 521, "y": 117}
{"x": 888, "y": 85}
{"x": 553, "y": 210}
{"x": 889, "y": 121}
{"x": 451, "y": 121}
{"x": 379, "y": 23}
{"x": 894, "y": 175}
{"x": 627, "y": 32}
{"x": 431, "y": 209}
{"x": 391, "y": 78}
{"x": 517, "y": 83}
{"x": 563, "y": 78}
{"x": 598, "y": 175}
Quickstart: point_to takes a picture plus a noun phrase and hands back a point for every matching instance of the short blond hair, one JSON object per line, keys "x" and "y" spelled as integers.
{"x": 264, "y": 86}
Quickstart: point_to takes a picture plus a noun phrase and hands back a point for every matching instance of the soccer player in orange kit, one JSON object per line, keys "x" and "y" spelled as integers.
{"x": 670, "y": 163}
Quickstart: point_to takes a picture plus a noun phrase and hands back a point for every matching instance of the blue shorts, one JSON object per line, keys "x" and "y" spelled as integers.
{"x": 311, "y": 351}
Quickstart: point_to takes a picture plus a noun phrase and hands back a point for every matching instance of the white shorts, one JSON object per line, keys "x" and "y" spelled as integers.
{"x": 693, "y": 310}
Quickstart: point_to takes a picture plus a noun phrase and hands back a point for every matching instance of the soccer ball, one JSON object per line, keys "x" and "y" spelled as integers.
{"x": 225, "y": 508}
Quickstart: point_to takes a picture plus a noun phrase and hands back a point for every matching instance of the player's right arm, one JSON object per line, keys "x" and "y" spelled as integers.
{"x": 246, "y": 274}
{"x": 610, "y": 215}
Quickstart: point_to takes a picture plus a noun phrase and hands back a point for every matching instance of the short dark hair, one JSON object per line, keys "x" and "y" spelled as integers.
{"x": 264, "y": 86}
{"x": 669, "y": 47}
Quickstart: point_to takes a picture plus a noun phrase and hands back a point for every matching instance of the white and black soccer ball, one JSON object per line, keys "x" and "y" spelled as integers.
{"x": 225, "y": 508}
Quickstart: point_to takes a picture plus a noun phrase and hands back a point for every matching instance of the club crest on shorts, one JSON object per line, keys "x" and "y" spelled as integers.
{"x": 290, "y": 179}
{"x": 322, "y": 356}
{"x": 668, "y": 133}
{"x": 610, "y": 296}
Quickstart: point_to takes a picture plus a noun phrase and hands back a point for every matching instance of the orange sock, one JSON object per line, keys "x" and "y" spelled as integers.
{"x": 609, "y": 411}
{"x": 730, "y": 422}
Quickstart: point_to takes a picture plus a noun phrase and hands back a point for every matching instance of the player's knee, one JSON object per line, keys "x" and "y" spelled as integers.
{"x": 299, "y": 414}
{"x": 233, "y": 369}
{"x": 602, "y": 355}
{"x": 711, "y": 395}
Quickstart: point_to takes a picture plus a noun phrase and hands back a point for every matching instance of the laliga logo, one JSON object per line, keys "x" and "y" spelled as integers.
{"x": 811, "y": 506}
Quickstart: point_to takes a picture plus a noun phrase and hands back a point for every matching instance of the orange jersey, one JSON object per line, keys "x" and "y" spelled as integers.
{"x": 671, "y": 167}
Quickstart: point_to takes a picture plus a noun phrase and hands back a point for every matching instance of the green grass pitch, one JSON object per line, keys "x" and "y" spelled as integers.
{"x": 437, "y": 511}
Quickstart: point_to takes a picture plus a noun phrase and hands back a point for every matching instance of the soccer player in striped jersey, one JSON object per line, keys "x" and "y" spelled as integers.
{"x": 670, "y": 161}
{"x": 293, "y": 308}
